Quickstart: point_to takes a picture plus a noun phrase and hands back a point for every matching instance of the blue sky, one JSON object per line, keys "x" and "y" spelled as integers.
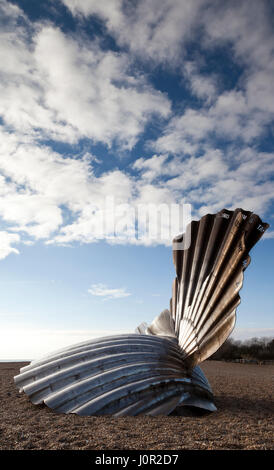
{"x": 148, "y": 102}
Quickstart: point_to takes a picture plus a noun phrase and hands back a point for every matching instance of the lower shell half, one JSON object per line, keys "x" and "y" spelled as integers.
{"x": 117, "y": 375}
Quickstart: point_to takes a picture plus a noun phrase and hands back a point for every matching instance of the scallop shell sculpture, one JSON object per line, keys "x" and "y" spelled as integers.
{"x": 156, "y": 371}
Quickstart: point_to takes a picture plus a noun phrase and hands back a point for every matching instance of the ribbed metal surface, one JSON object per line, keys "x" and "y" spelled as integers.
{"x": 128, "y": 374}
{"x": 209, "y": 278}
{"x": 155, "y": 371}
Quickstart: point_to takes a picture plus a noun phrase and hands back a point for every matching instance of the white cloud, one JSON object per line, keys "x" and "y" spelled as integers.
{"x": 229, "y": 118}
{"x": 153, "y": 167}
{"x": 159, "y": 32}
{"x": 6, "y": 241}
{"x": 247, "y": 27}
{"x": 93, "y": 90}
{"x": 152, "y": 29}
{"x": 213, "y": 179}
{"x": 101, "y": 290}
{"x": 110, "y": 11}
{"x": 39, "y": 187}
{"x": 38, "y": 182}
{"x": 269, "y": 234}
{"x": 202, "y": 85}
{"x": 65, "y": 87}
{"x": 60, "y": 200}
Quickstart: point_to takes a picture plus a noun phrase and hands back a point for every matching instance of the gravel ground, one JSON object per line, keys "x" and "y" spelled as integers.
{"x": 244, "y": 420}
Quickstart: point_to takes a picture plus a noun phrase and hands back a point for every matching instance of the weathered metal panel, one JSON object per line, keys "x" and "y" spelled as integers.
{"x": 209, "y": 278}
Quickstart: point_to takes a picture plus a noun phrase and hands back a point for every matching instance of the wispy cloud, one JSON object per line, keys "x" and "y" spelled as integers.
{"x": 101, "y": 290}
{"x": 6, "y": 241}
{"x": 151, "y": 29}
{"x": 269, "y": 234}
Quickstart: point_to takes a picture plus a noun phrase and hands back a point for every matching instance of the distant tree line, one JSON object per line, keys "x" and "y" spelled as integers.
{"x": 261, "y": 349}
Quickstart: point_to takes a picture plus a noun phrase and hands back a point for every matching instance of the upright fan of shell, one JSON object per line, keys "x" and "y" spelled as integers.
{"x": 156, "y": 371}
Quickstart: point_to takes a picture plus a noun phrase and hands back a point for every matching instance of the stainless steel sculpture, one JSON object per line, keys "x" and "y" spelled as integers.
{"x": 155, "y": 371}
